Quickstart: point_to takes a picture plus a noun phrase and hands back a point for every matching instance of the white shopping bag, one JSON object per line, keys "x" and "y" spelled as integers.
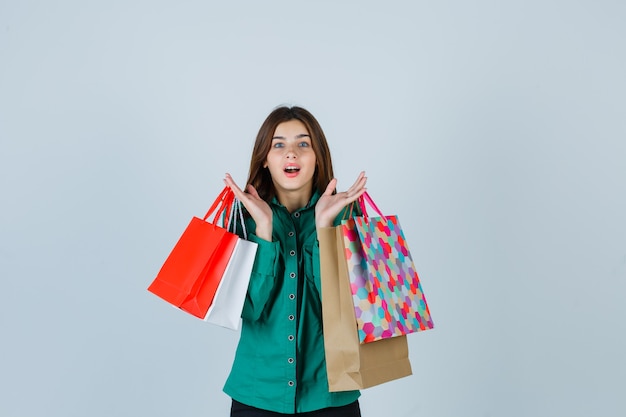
{"x": 231, "y": 293}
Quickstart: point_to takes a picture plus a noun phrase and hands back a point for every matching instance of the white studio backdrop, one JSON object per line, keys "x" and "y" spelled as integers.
{"x": 495, "y": 130}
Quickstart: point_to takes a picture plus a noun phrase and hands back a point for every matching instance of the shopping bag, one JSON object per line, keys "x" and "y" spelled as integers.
{"x": 230, "y": 296}
{"x": 192, "y": 272}
{"x": 351, "y": 365}
{"x": 231, "y": 293}
{"x": 386, "y": 290}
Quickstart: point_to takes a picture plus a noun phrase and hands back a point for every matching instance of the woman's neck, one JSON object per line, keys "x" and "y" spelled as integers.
{"x": 293, "y": 200}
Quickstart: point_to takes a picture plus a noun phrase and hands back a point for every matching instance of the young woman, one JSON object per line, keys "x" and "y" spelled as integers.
{"x": 280, "y": 367}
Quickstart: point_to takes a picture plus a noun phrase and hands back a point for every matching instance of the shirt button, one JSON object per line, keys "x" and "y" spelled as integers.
{"x": 292, "y": 252}
{"x": 292, "y": 317}
{"x": 291, "y": 383}
{"x": 291, "y": 234}
{"x": 292, "y": 275}
{"x": 291, "y": 338}
{"x": 290, "y": 360}
{"x": 292, "y": 296}
{"x": 296, "y": 215}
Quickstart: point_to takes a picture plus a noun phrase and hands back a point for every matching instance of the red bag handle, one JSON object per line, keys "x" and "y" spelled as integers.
{"x": 222, "y": 204}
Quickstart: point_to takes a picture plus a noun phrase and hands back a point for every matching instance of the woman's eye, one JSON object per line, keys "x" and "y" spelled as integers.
{"x": 304, "y": 144}
{"x": 278, "y": 145}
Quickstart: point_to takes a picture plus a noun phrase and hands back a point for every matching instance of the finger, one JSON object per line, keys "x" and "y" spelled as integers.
{"x": 358, "y": 185}
{"x": 233, "y": 186}
{"x": 360, "y": 179}
{"x": 330, "y": 187}
{"x": 354, "y": 195}
{"x": 252, "y": 191}
{"x": 356, "y": 191}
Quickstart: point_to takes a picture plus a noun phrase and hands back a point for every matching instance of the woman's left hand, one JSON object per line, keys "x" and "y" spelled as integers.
{"x": 330, "y": 205}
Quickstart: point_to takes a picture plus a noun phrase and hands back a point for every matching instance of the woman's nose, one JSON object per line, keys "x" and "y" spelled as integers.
{"x": 291, "y": 152}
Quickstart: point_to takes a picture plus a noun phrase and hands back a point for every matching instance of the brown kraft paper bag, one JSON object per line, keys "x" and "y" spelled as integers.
{"x": 351, "y": 365}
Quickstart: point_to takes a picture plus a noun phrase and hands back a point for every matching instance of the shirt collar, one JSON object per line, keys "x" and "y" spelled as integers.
{"x": 316, "y": 196}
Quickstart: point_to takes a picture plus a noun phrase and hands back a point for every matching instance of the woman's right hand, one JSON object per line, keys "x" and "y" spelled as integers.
{"x": 257, "y": 207}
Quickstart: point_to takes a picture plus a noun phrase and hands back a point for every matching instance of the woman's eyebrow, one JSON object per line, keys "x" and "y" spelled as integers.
{"x": 300, "y": 136}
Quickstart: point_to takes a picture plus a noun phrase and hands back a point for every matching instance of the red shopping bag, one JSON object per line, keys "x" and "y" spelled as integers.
{"x": 192, "y": 272}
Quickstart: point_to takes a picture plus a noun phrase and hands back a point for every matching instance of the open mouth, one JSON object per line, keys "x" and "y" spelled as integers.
{"x": 291, "y": 169}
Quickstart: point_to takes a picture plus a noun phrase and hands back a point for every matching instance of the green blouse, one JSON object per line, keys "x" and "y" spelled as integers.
{"x": 280, "y": 363}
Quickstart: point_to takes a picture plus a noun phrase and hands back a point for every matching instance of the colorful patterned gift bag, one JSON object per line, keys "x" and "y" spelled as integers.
{"x": 386, "y": 290}
{"x": 350, "y": 364}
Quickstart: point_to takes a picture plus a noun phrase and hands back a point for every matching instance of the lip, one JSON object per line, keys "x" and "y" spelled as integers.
{"x": 291, "y": 174}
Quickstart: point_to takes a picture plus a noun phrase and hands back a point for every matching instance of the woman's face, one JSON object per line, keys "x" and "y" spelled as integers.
{"x": 291, "y": 161}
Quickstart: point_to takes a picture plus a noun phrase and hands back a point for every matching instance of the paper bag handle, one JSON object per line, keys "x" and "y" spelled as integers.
{"x": 221, "y": 205}
{"x": 365, "y": 198}
{"x": 232, "y": 220}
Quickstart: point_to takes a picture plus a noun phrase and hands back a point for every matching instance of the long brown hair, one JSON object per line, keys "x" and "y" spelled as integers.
{"x": 260, "y": 177}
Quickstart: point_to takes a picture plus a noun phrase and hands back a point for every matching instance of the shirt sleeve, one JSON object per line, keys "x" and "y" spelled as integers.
{"x": 262, "y": 279}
